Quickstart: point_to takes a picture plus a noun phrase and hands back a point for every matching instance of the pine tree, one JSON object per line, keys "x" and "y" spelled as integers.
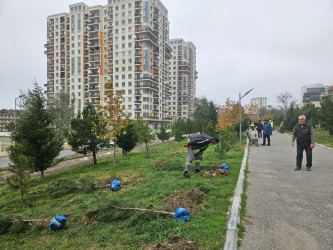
{"x": 19, "y": 167}
{"x": 35, "y": 132}
{"x": 84, "y": 133}
{"x": 163, "y": 135}
{"x": 127, "y": 138}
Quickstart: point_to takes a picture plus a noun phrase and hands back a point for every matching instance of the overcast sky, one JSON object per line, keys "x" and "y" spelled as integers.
{"x": 272, "y": 46}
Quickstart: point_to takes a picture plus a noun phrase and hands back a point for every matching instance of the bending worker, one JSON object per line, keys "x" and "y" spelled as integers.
{"x": 197, "y": 145}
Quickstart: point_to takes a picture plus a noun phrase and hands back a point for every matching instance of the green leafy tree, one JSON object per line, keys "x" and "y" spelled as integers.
{"x": 178, "y": 135}
{"x": 35, "y": 132}
{"x": 179, "y": 125}
{"x": 205, "y": 111}
{"x": 84, "y": 133}
{"x": 311, "y": 113}
{"x": 291, "y": 118}
{"x": 163, "y": 135}
{"x": 62, "y": 109}
{"x": 127, "y": 138}
{"x": 326, "y": 113}
{"x": 190, "y": 127}
{"x": 19, "y": 166}
{"x": 10, "y": 127}
{"x": 145, "y": 134}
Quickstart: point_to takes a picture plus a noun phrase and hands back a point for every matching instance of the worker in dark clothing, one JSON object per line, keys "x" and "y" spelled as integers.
{"x": 259, "y": 128}
{"x": 304, "y": 135}
{"x": 267, "y": 133}
{"x": 197, "y": 145}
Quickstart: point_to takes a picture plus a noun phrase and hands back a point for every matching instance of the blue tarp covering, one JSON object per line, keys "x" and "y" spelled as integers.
{"x": 58, "y": 222}
{"x": 182, "y": 214}
{"x": 115, "y": 185}
{"x": 224, "y": 166}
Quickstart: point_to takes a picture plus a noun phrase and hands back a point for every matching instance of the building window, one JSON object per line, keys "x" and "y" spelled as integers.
{"x": 79, "y": 65}
{"x": 72, "y": 23}
{"x": 146, "y": 8}
{"x": 78, "y": 22}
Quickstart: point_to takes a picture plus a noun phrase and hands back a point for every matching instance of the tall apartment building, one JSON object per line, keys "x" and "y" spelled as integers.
{"x": 125, "y": 42}
{"x": 182, "y": 76}
{"x": 261, "y": 102}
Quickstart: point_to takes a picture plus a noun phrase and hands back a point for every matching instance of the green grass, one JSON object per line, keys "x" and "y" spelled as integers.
{"x": 324, "y": 138}
{"x": 147, "y": 186}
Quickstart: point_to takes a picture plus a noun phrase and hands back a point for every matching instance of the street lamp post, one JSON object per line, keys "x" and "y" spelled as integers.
{"x": 15, "y": 108}
{"x": 240, "y": 115}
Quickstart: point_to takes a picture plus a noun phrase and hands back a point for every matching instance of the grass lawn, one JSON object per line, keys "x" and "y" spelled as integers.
{"x": 151, "y": 183}
{"x": 324, "y": 138}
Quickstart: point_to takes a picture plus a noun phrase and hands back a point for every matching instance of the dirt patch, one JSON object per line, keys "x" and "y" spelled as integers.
{"x": 90, "y": 220}
{"x": 160, "y": 163}
{"x": 215, "y": 173}
{"x": 175, "y": 242}
{"x": 153, "y": 152}
{"x": 174, "y": 154}
{"x": 189, "y": 199}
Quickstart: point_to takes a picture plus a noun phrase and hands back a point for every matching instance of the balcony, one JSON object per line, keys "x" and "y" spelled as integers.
{"x": 138, "y": 6}
{"x": 146, "y": 85}
{"x": 137, "y": 102}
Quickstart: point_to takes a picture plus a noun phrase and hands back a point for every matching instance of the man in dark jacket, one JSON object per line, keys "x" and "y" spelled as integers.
{"x": 197, "y": 145}
{"x": 267, "y": 133}
{"x": 259, "y": 128}
{"x": 304, "y": 134}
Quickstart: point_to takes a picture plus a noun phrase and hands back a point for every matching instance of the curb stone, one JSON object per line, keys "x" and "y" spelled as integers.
{"x": 232, "y": 231}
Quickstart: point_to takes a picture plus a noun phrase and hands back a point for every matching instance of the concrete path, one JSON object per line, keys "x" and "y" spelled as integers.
{"x": 288, "y": 209}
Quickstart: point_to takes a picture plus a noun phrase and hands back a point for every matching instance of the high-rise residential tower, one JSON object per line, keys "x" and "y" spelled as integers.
{"x": 182, "y": 76}
{"x": 125, "y": 42}
{"x": 261, "y": 102}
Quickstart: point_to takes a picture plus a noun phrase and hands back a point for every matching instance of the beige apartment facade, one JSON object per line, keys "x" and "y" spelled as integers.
{"x": 125, "y": 42}
{"x": 182, "y": 77}
{"x": 260, "y": 102}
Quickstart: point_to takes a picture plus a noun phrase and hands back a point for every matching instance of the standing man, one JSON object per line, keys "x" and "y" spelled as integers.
{"x": 267, "y": 133}
{"x": 304, "y": 134}
{"x": 197, "y": 145}
{"x": 259, "y": 128}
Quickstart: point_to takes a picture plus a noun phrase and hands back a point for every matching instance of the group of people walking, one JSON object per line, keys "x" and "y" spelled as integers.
{"x": 303, "y": 133}
{"x": 264, "y": 129}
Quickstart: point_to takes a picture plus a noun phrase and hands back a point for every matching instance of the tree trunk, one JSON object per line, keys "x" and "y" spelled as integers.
{"x": 114, "y": 157}
{"x": 94, "y": 156}
{"x": 21, "y": 190}
{"x": 147, "y": 148}
{"x": 42, "y": 174}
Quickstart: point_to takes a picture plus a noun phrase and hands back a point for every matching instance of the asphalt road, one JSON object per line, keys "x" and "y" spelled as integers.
{"x": 288, "y": 209}
{"x": 4, "y": 161}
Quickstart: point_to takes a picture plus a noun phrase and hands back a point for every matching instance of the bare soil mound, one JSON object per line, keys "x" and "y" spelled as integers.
{"x": 189, "y": 199}
{"x": 215, "y": 173}
{"x": 175, "y": 242}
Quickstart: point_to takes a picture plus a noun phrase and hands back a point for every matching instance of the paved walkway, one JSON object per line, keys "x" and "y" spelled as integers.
{"x": 288, "y": 209}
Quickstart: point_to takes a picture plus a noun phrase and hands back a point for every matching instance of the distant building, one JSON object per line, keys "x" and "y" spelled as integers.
{"x": 6, "y": 117}
{"x": 182, "y": 77}
{"x": 125, "y": 42}
{"x": 328, "y": 92}
{"x": 312, "y": 95}
{"x": 261, "y": 102}
{"x": 305, "y": 87}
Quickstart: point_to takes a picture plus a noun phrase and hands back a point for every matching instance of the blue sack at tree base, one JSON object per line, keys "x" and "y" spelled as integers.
{"x": 58, "y": 222}
{"x": 224, "y": 166}
{"x": 115, "y": 185}
{"x": 182, "y": 214}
